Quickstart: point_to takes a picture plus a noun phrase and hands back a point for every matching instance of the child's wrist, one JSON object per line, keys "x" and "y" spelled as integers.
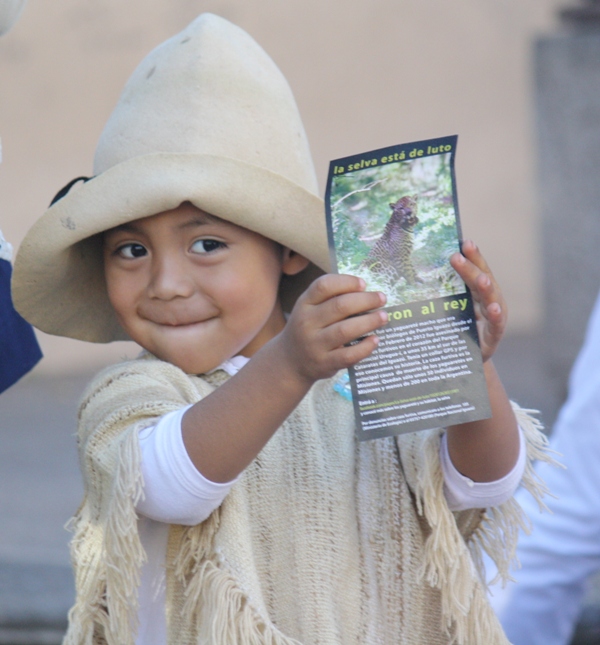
{"x": 286, "y": 366}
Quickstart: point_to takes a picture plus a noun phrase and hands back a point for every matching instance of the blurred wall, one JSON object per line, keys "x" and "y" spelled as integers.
{"x": 366, "y": 74}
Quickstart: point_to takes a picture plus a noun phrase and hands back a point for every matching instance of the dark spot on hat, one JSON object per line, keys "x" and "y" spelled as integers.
{"x": 149, "y": 74}
{"x": 185, "y": 40}
{"x": 67, "y": 222}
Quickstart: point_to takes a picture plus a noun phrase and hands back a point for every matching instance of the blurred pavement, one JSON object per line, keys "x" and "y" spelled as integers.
{"x": 40, "y": 489}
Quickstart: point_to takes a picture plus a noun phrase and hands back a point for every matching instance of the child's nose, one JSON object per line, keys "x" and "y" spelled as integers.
{"x": 171, "y": 278}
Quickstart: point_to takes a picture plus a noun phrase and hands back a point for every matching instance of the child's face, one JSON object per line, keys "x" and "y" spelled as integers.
{"x": 193, "y": 289}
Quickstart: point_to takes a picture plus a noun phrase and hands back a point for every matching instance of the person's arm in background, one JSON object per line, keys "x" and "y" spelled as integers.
{"x": 10, "y": 10}
{"x": 19, "y": 349}
{"x": 563, "y": 549}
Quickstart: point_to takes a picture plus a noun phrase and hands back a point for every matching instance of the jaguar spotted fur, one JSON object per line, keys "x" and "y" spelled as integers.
{"x": 392, "y": 253}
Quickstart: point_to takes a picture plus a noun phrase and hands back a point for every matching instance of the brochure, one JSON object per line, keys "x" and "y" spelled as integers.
{"x": 392, "y": 219}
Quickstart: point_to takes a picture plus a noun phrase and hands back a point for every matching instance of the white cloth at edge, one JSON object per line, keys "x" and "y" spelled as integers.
{"x": 563, "y": 549}
{"x": 175, "y": 492}
{"x": 6, "y": 249}
{"x": 462, "y": 493}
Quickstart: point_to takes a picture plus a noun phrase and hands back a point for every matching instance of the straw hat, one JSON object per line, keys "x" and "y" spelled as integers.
{"x": 206, "y": 117}
{"x": 10, "y": 10}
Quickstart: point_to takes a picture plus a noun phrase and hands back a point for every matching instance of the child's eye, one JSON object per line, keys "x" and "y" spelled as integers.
{"x": 132, "y": 250}
{"x": 206, "y": 246}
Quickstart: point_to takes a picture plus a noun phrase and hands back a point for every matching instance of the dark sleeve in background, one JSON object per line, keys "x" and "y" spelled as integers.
{"x": 19, "y": 349}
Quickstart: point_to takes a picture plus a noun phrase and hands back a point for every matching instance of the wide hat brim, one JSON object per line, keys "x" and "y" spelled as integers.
{"x": 58, "y": 278}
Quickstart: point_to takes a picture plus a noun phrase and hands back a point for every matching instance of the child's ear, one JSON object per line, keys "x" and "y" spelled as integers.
{"x": 293, "y": 262}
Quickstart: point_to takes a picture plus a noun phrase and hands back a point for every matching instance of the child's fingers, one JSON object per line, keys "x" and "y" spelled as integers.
{"x": 330, "y": 285}
{"x": 347, "y": 356}
{"x": 349, "y": 304}
{"x": 486, "y": 290}
{"x": 471, "y": 251}
{"x": 496, "y": 320}
{"x": 490, "y": 306}
{"x": 474, "y": 277}
{"x": 333, "y": 298}
{"x": 491, "y": 330}
{"x": 348, "y": 330}
{"x": 475, "y": 272}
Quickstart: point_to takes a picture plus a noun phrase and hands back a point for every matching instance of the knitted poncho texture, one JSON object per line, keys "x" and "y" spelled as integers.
{"x": 323, "y": 541}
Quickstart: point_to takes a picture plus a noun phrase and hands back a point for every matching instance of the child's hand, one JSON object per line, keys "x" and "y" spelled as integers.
{"x": 331, "y": 313}
{"x": 490, "y": 307}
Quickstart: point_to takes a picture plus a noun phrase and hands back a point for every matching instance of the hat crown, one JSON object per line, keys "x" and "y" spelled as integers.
{"x": 209, "y": 90}
{"x": 207, "y": 118}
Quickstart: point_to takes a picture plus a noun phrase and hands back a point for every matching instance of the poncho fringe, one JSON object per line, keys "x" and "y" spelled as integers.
{"x": 450, "y": 562}
{"x": 108, "y": 555}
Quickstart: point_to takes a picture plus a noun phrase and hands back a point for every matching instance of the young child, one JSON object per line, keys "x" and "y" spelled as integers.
{"x": 226, "y": 498}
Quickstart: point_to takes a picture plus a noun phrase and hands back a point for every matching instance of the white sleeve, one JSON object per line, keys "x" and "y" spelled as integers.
{"x": 175, "y": 492}
{"x": 462, "y": 493}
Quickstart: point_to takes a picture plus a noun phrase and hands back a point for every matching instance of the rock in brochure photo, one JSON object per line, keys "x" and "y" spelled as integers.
{"x": 392, "y": 219}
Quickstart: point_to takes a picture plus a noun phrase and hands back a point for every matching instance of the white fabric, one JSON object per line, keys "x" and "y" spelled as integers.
{"x": 152, "y": 593}
{"x": 462, "y": 493}
{"x": 175, "y": 492}
{"x": 6, "y": 249}
{"x": 564, "y": 548}
{"x": 232, "y": 365}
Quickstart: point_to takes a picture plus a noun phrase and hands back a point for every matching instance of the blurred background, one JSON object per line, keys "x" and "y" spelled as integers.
{"x": 366, "y": 74}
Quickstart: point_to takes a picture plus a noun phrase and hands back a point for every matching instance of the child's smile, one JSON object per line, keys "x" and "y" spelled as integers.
{"x": 193, "y": 289}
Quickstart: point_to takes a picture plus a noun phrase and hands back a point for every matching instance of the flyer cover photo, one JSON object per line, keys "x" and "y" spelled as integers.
{"x": 392, "y": 219}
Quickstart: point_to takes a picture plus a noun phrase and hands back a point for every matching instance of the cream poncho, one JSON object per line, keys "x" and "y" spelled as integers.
{"x": 323, "y": 541}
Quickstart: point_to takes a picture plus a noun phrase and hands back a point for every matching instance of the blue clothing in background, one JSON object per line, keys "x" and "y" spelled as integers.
{"x": 543, "y": 604}
{"x": 19, "y": 350}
